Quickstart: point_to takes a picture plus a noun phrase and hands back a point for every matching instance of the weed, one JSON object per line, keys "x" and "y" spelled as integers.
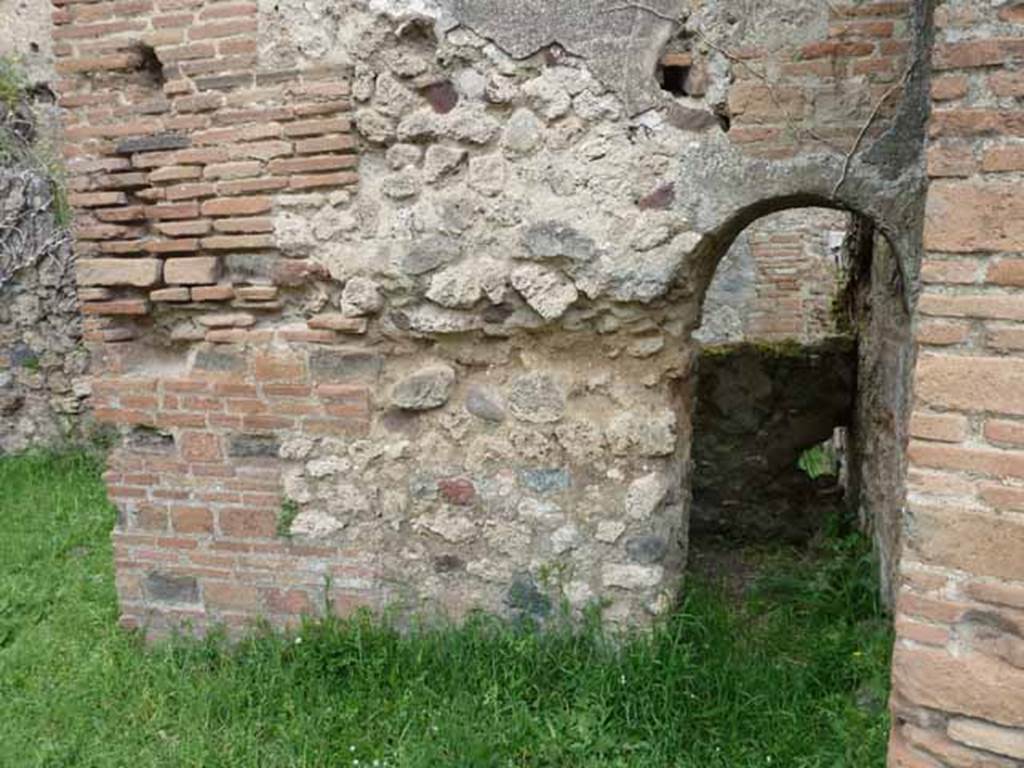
{"x": 285, "y": 518}
{"x": 12, "y": 82}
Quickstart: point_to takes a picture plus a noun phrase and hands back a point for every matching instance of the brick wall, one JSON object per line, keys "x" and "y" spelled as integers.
{"x": 238, "y": 387}
{"x": 178, "y": 145}
{"x": 822, "y": 94}
{"x": 959, "y": 665}
{"x": 779, "y": 280}
{"x": 199, "y": 489}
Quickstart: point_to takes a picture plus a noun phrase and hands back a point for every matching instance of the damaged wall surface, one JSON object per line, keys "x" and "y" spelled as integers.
{"x": 393, "y": 304}
{"x": 42, "y": 361}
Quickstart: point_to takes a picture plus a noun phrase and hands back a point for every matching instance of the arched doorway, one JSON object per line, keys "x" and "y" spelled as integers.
{"x": 803, "y": 387}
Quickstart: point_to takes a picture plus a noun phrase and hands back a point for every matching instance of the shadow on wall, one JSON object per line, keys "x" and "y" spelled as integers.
{"x": 760, "y": 407}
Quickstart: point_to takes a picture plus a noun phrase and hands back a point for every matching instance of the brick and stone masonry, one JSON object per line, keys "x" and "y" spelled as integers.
{"x": 394, "y": 307}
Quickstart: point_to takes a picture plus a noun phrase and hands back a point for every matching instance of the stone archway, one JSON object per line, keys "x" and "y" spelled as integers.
{"x": 874, "y": 302}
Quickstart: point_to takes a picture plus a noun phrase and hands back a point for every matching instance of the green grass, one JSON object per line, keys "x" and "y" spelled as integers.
{"x": 796, "y": 676}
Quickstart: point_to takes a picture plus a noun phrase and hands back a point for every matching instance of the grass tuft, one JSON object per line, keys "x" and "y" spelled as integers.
{"x": 794, "y": 676}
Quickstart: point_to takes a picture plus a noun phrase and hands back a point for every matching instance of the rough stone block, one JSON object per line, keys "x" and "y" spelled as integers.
{"x": 197, "y": 270}
{"x": 140, "y": 273}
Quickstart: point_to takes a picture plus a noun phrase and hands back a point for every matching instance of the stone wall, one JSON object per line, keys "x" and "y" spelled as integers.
{"x": 464, "y": 376}
{"x": 959, "y": 664}
{"x": 394, "y": 304}
{"x": 42, "y": 362}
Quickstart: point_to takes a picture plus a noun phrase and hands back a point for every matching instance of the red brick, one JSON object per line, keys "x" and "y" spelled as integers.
{"x": 323, "y": 180}
{"x": 197, "y": 270}
{"x": 251, "y": 186}
{"x": 213, "y": 293}
{"x": 1005, "y": 338}
{"x": 943, "y": 427}
{"x": 256, "y": 293}
{"x": 853, "y": 29}
{"x": 316, "y": 127}
{"x": 228, "y": 10}
{"x": 1007, "y": 84}
{"x": 97, "y": 199}
{"x": 237, "y": 242}
{"x": 956, "y": 271}
{"x": 970, "y": 683}
{"x": 1003, "y": 159}
{"x": 239, "y": 26}
{"x": 228, "y": 320}
{"x": 995, "y": 592}
{"x": 946, "y": 752}
{"x": 971, "y": 383}
{"x": 269, "y": 367}
{"x": 170, "y": 295}
{"x": 949, "y": 87}
{"x": 248, "y": 523}
{"x": 1003, "y": 497}
{"x": 177, "y": 211}
{"x": 180, "y": 245}
{"x": 941, "y": 333}
{"x": 977, "y": 53}
{"x": 237, "y": 206}
{"x": 191, "y": 519}
{"x": 183, "y": 228}
{"x": 200, "y": 446}
{"x": 128, "y": 213}
{"x": 974, "y": 216}
{"x": 175, "y": 173}
{"x": 836, "y": 49}
{"x": 1007, "y": 272}
{"x": 934, "y": 483}
{"x": 951, "y": 160}
{"x": 303, "y": 335}
{"x": 117, "y": 307}
{"x": 229, "y": 596}
{"x": 189, "y": 52}
{"x": 985, "y": 461}
{"x": 325, "y": 144}
{"x": 991, "y": 306}
{"x": 294, "y": 602}
{"x": 134, "y": 272}
{"x": 975, "y": 122}
{"x": 262, "y": 422}
{"x": 235, "y": 170}
{"x": 1004, "y": 432}
{"x": 311, "y": 164}
{"x": 189, "y": 191}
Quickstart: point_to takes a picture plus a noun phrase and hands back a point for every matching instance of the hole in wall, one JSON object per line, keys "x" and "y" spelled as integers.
{"x": 674, "y": 71}
{"x": 149, "y": 64}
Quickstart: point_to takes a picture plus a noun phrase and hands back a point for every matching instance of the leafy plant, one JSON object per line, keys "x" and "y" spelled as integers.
{"x": 819, "y": 461}
{"x": 285, "y": 518}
